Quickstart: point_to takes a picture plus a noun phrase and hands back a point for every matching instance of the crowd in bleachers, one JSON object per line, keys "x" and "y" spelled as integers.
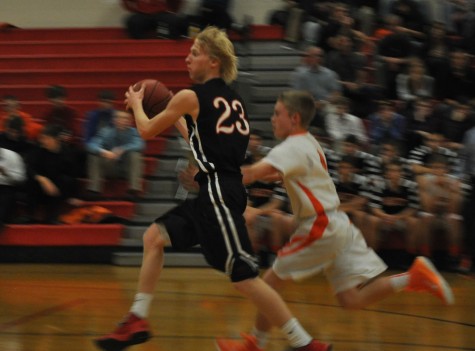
{"x": 394, "y": 84}
{"x": 58, "y": 152}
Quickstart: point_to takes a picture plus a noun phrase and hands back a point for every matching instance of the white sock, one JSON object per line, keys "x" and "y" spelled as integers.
{"x": 141, "y": 304}
{"x": 261, "y": 337}
{"x": 399, "y": 282}
{"x": 296, "y": 334}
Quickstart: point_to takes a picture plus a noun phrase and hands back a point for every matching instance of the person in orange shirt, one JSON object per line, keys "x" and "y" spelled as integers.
{"x": 11, "y": 107}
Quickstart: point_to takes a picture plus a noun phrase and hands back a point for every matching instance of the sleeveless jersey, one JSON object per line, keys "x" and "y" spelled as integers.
{"x": 220, "y": 135}
{"x": 309, "y": 186}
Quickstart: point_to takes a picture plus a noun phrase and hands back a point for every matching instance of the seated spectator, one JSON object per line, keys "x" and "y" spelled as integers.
{"x": 351, "y": 189}
{"x": 12, "y": 107}
{"x": 441, "y": 200}
{"x": 456, "y": 79}
{"x": 453, "y": 121}
{"x": 154, "y": 19}
{"x": 351, "y": 66}
{"x": 52, "y": 177}
{"x": 394, "y": 205}
{"x": 339, "y": 23}
{"x": 101, "y": 117}
{"x": 349, "y": 147}
{"x": 61, "y": 113}
{"x": 393, "y": 53}
{"x": 255, "y": 149}
{"x": 14, "y": 138}
{"x": 433, "y": 144}
{"x": 340, "y": 123}
{"x": 116, "y": 152}
{"x": 436, "y": 49}
{"x": 420, "y": 122}
{"x": 376, "y": 165}
{"x": 410, "y": 13}
{"x": 12, "y": 174}
{"x": 320, "y": 81}
{"x": 415, "y": 83}
{"x": 468, "y": 153}
{"x": 386, "y": 124}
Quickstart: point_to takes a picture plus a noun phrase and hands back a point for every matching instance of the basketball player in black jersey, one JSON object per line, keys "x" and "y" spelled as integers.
{"x": 213, "y": 119}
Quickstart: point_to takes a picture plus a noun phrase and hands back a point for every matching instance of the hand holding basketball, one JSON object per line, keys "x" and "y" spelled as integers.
{"x": 153, "y": 95}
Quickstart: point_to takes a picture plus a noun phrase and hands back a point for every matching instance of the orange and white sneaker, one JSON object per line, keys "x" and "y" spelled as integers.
{"x": 423, "y": 276}
{"x": 248, "y": 343}
{"x": 315, "y": 345}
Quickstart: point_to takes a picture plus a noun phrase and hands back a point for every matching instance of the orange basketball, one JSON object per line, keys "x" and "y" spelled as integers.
{"x": 156, "y": 96}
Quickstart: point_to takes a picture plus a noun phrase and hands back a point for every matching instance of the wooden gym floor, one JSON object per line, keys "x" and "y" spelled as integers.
{"x": 64, "y": 307}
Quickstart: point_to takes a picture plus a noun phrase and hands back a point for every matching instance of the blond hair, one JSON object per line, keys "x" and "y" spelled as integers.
{"x": 301, "y": 102}
{"x": 217, "y": 44}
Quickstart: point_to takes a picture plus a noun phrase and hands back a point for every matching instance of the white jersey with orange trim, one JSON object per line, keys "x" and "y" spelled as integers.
{"x": 301, "y": 160}
{"x": 325, "y": 239}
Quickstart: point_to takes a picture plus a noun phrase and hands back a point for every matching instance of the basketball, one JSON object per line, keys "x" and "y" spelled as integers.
{"x": 156, "y": 96}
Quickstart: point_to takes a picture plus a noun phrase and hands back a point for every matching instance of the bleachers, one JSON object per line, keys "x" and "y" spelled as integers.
{"x": 86, "y": 61}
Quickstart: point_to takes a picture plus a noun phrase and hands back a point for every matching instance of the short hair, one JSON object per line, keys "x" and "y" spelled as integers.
{"x": 56, "y": 91}
{"x": 301, "y": 102}
{"x": 217, "y": 44}
{"x": 352, "y": 139}
{"x": 52, "y": 130}
{"x": 10, "y": 97}
{"x": 438, "y": 158}
{"x": 349, "y": 159}
{"x": 15, "y": 122}
{"x": 106, "y": 95}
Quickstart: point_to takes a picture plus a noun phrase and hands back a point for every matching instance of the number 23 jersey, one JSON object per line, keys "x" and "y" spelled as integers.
{"x": 220, "y": 135}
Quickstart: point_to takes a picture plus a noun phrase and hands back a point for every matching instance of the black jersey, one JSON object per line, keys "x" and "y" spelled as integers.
{"x": 220, "y": 135}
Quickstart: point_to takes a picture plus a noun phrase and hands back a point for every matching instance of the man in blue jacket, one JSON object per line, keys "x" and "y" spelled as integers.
{"x": 116, "y": 152}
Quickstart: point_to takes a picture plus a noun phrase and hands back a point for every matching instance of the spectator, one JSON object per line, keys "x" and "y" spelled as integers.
{"x": 452, "y": 121}
{"x": 386, "y": 124}
{"x": 351, "y": 189}
{"x": 116, "y": 152}
{"x": 320, "y": 81}
{"x": 154, "y": 18}
{"x": 339, "y": 23}
{"x": 420, "y": 122}
{"x": 394, "y": 51}
{"x": 255, "y": 149}
{"x": 61, "y": 113}
{"x": 12, "y": 107}
{"x": 52, "y": 180}
{"x": 376, "y": 165}
{"x": 12, "y": 174}
{"x": 441, "y": 200}
{"x": 456, "y": 78}
{"x": 13, "y": 137}
{"x": 415, "y": 83}
{"x": 351, "y": 67}
{"x": 340, "y": 123}
{"x": 410, "y": 13}
{"x": 436, "y": 49}
{"x": 469, "y": 208}
{"x": 433, "y": 144}
{"x": 101, "y": 117}
{"x": 394, "y": 205}
{"x": 350, "y": 147}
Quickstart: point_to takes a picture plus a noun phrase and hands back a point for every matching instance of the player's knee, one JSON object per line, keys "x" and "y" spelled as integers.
{"x": 153, "y": 239}
{"x": 349, "y": 301}
{"x": 244, "y": 286}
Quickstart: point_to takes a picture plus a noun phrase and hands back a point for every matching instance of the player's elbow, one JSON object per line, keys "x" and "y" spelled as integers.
{"x": 145, "y": 134}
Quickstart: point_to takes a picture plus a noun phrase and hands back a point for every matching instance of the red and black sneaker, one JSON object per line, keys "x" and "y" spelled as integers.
{"x": 132, "y": 331}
